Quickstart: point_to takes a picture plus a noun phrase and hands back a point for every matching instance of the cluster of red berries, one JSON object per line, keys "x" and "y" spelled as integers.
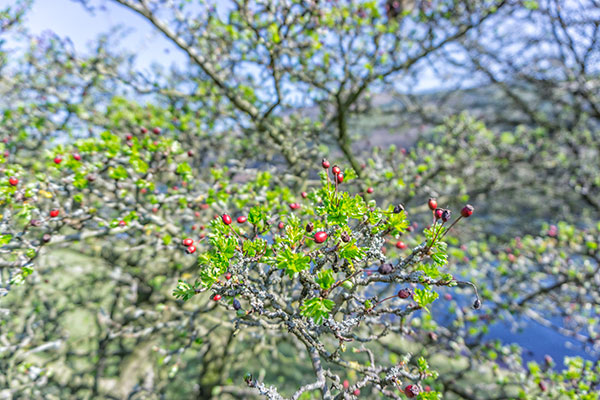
{"x": 337, "y": 172}
{"x": 189, "y": 243}
{"x": 445, "y": 214}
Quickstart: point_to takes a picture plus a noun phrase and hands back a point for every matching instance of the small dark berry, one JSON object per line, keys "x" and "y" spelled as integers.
{"x": 477, "y": 304}
{"x": 542, "y": 386}
{"x": 398, "y": 209}
{"x": 467, "y": 211}
{"x": 345, "y": 237}
{"x": 404, "y": 293}
{"x": 310, "y": 227}
{"x": 432, "y": 204}
{"x": 156, "y": 130}
{"x": 143, "y": 130}
{"x": 446, "y": 215}
{"x": 46, "y": 238}
{"x": 91, "y": 178}
{"x": 320, "y": 237}
{"x": 226, "y": 219}
{"x": 385, "y": 269}
{"x": 236, "y": 304}
{"x": 35, "y": 222}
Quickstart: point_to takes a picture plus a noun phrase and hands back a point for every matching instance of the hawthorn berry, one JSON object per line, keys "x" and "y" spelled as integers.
{"x": 91, "y": 177}
{"x": 122, "y": 223}
{"x": 190, "y": 153}
{"x": 156, "y": 130}
{"x": 241, "y": 219}
{"x": 404, "y": 293}
{"x": 236, "y": 304}
{"x": 310, "y": 227}
{"x": 385, "y": 269}
{"x": 228, "y": 275}
{"x": 398, "y": 209}
{"x": 226, "y": 219}
{"x": 446, "y": 215}
{"x": 143, "y": 130}
{"x": 217, "y": 297}
{"x": 76, "y": 156}
{"x": 356, "y": 392}
{"x": 432, "y": 203}
{"x": 336, "y": 170}
{"x": 346, "y": 384}
{"x": 339, "y": 178}
{"x": 467, "y": 211}
{"x": 400, "y": 244}
{"x": 57, "y": 160}
{"x": 320, "y": 237}
{"x": 154, "y": 210}
{"x": 411, "y": 391}
{"x": 46, "y": 238}
{"x": 13, "y": 181}
{"x": 542, "y": 386}
{"x": 304, "y": 195}
{"x": 294, "y": 206}
{"x": 190, "y": 249}
{"x": 438, "y": 213}
{"x": 325, "y": 163}
{"x": 281, "y": 225}
{"x": 370, "y": 190}
{"x": 345, "y": 237}
{"x": 129, "y": 137}
{"x": 54, "y": 213}
{"x": 188, "y": 242}
{"x": 477, "y": 304}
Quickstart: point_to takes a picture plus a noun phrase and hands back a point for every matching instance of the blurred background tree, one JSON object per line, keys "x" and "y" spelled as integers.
{"x": 136, "y": 160}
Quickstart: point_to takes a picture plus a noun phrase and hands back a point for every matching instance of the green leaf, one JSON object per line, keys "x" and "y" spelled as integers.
{"x": 317, "y": 309}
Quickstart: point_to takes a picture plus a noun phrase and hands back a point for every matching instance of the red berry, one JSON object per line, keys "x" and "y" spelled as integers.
{"x": 432, "y": 204}
{"x": 76, "y": 157}
{"x": 438, "y": 213}
{"x": 226, "y": 219}
{"x": 320, "y": 237}
{"x": 156, "y": 130}
{"x": 217, "y": 297}
{"x": 411, "y": 391}
{"x": 281, "y": 225}
{"x": 57, "y": 160}
{"x": 542, "y": 386}
{"x": 404, "y": 293}
{"x": 467, "y": 211}
{"x": 339, "y": 178}
{"x": 154, "y": 210}
{"x": 122, "y": 223}
{"x": 304, "y": 195}
{"x": 191, "y": 249}
{"x": 346, "y": 384}
{"x": 197, "y": 214}
{"x": 294, "y": 206}
{"x": 13, "y": 181}
{"x": 129, "y": 137}
{"x": 228, "y": 276}
{"x": 336, "y": 170}
{"x": 446, "y": 215}
{"x": 194, "y": 227}
{"x": 143, "y": 130}
{"x": 370, "y": 190}
{"x": 241, "y": 219}
{"x": 190, "y": 153}
{"x": 325, "y": 163}
{"x": 400, "y": 244}
{"x": 54, "y": 213}
{"x": 356, "y": 392}
{"x": 188, "y": 242}
{"x": 143, "y": 190}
